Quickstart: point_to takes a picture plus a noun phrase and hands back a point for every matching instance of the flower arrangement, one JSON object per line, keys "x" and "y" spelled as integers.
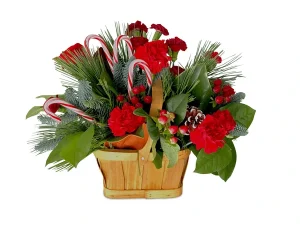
{"x": 109, "y": 96}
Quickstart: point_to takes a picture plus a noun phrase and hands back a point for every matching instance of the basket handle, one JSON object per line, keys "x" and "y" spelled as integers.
{"x": 156, "y": 105}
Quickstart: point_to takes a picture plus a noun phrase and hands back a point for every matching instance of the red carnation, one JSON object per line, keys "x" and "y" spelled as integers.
{"x": 154, "y": 53}
{"x": 176, "y": 44}
{"x": 210, "y": 134}
{"x": 160, "y": 28}
{"x": 138, "y": 25}
{"x": 70, "y": 54}
{"x": 176, "y": 70}
{"x": 122, "y": 121}
{"x": 228, "y": 91}
{"x": 138, "y": 41}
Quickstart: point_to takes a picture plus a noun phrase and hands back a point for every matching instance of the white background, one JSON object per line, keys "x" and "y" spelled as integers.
{"x": 264, "y": 188}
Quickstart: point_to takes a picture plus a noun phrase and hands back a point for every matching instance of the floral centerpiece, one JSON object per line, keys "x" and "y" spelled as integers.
{"x": 109, "y": 101}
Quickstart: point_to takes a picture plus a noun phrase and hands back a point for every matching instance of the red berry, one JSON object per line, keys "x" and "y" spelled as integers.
{"x": 219, "y": 99}
{"x": 217, "y": 82}
{"x": 120, "y": 98}
{"x": 134, "y": 100}
{"x": 163, "y": 112}
{"x": 136, "y": 90}
{"x": 138, "y": 105}
{"x": 184, "y": 129}
{"x": 173, "y": 129}
{"x": 142, "y": 88}
{"x": 227, "y": 99}
{"x": 173, "y": 140}
{"x": 148, "y": 99}
{"x": 163, "y": 120}
{"x": 218, "y": 59}
{"x": 214, "y": 54}
{"x": 217, "y": 89}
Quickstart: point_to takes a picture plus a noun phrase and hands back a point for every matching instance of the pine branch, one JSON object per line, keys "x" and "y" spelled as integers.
{"x": 239, "y": 130}
{"x": 46, "y": 145}
{"x": 238, "y": 97}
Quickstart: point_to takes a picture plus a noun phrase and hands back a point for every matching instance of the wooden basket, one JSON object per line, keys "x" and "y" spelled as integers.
{"x": 132, "y": 174}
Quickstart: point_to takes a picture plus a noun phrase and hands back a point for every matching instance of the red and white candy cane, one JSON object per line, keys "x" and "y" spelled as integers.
{"x": 67, "y": 105}
{"x": 117, "y": 43}
{"x": 103, "y": 44}
{"x": 144, "y": 66}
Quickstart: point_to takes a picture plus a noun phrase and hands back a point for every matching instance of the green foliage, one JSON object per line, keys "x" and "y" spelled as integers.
{"x": 178, "y": 105}
{"x": 170, "y": 150}
{"x": 158, "y": 159}
{"x": 152, "y": 129}
{"x": 226, "y": 172}
{"x": 46, "y": 145}
{"x": 34, "y": 111}
{"x": 239, "y": 130}
{"x": 238, "y": 97}
{"x": 140, "y": 112}
{"x": 241, "y": 113}
{"x": 167, "y": 82}
{"x": 209, "y": 163}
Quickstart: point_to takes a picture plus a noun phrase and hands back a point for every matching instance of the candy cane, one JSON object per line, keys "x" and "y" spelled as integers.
{"x": 103, "y": 44}
{"x": 67, "y": 105}
{"x": 144, "y": 66}
{"x": 116, "y": 44}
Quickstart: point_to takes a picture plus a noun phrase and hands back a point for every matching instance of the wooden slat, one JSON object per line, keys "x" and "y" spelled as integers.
{"x": 113, "y": 174}
{"x": 152, "y": 177}
{"x": 117, "y": 194}
{"x": 172, "y": 176}
{"x": 116, "y": 155}
{"x": 132, "y": 176}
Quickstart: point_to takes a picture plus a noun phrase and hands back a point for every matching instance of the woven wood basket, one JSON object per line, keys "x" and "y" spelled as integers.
{"x": 132, "y": 174}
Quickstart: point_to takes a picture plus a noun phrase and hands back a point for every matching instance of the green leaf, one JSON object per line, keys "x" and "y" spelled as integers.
{"x": 152, "y": 129}
{"x": 139, "y": 132}
{"x": 34, "y": 111}
{"x": 178, "y": 105}
{"x": 158, "y": 159}
{"x": 140, "y": 112}
{"x": 226, "y": 172}
{"x": 241, "y": 113}
{"x": 170, "y": 150}
{"x": 54, "y": 155}
{"x": 77, "y": 146}
{"x": 209, "y": 163}
{"x": 48, "y": 96}
{"x": 203, "y": 90}
{"x": 194, "y": 150}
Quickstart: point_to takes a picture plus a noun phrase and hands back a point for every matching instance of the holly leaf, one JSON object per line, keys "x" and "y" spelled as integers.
{"x": 76, "y": 147}
{"x": 178, "y": 105}
{"x": 241, "y": 113}
{"x": 34, "y": 111}
{"x": 170, "y": 150}
{"x": 152, "y": 129}
{"x": 226, "y": 172}
{"x": 209, "y": 163}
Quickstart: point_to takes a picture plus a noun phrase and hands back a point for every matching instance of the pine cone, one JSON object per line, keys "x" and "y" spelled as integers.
{"x": 194, "y": 117}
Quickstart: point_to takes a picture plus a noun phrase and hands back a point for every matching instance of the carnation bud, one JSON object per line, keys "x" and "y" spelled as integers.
{"x": 217, "y": 89}
{"x": 142, "y": 88}
{"x": 219, "y": 99}
{"x": 148, "y": 99}
{"x": 120, "y": 98}
{"x": 163, "y": 120}
{"x": 184, "y": 130}
{"x": 136, "y": 90}
{"x": 163, "y": 112}
{"x": 173, "y": 140}
{"x": 138, "y": 105}
{"x": 218, "y": 82}
{"x": 173, "y": 129}
{"x": 134, "y": 100}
